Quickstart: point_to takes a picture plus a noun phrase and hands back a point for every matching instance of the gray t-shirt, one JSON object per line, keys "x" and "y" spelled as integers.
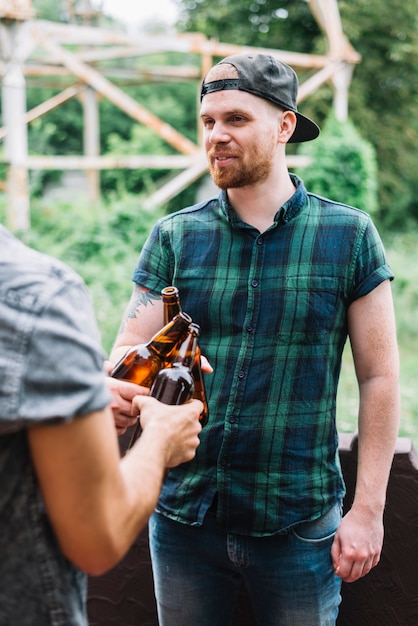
{"x": 51, "y": 370}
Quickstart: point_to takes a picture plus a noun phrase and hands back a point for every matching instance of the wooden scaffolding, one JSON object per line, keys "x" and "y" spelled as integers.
{"x": 30, "y": 47}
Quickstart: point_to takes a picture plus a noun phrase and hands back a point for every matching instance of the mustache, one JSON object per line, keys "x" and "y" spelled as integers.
{"x": 216, "y": 151}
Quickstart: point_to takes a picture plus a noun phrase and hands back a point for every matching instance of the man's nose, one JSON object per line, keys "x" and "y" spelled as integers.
{"x": 219, "y": 134}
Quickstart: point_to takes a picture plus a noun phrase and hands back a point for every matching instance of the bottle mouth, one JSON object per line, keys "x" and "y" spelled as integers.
{"x": 184, "y": 316}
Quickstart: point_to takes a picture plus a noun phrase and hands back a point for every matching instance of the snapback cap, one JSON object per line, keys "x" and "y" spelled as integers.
{"x": 264, "y": 76}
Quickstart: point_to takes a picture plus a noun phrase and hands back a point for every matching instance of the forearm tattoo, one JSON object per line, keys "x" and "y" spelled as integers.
{"x": 140, "y": 297}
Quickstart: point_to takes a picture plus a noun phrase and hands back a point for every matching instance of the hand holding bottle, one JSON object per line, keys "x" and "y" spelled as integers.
{"x": 122, "y": 392}
{"x": 163, "y": 353}
{"x": 174, "y": 430}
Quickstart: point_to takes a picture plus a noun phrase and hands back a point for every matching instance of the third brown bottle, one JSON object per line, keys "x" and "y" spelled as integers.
{"x": 172, "y": 307}
{"x": 142, "y": 362}
{"x": 174, "y": 384}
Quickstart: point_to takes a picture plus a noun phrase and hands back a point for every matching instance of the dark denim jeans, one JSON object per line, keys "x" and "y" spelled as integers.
{"x": 289, "y": 577}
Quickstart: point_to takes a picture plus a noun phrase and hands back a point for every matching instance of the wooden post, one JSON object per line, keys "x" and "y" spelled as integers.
{"x": 15, "y": 45}
{"x": 16, "y": 147}
{"x": 91, "y": 141}
{"x": 341, "y": 81}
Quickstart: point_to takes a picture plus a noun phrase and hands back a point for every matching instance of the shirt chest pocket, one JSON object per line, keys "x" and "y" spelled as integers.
{"x": 311, "y": 304}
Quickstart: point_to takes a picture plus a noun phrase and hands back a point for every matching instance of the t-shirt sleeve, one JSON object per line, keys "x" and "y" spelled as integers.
{"x": 155, "y": 264}
{"x": 62, "y": 370}
{"x": 371, "y": 265}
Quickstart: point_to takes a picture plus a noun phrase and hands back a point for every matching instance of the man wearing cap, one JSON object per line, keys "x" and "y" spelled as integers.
{"x": 278, "y": 279}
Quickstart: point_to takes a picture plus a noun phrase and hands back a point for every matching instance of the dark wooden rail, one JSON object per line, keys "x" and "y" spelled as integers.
{"x": 388, "y": 596}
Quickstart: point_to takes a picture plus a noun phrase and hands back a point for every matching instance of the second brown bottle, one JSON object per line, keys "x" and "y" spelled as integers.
{"x": 172, "y": 307}
{"x": 174, "y": 384}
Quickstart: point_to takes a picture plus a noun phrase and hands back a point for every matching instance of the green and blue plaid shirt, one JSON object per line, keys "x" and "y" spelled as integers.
{"x": 272, "y": 308}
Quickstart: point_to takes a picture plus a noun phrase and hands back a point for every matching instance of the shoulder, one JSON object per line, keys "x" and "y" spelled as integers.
{"x": 30, "y": 279}
{"x": 40, "y": 295}
{"x": 47, "y": 324}
{"x": 339, "y": 211}
{"x": 196, "y": 212}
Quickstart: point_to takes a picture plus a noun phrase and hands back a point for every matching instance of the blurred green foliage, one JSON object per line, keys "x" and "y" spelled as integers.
{"x": 343, "y": 166}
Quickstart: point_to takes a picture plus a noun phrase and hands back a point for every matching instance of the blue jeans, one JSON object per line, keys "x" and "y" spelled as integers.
{"x": 289, "y": 577}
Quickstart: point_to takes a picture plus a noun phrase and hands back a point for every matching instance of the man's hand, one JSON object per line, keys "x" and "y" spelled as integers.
{"x": 175, "y": 428}
{"x": 123, "y": 392}
{"x": 357, "y": 545}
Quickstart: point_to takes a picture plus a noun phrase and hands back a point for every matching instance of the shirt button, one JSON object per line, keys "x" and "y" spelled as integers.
{"x": 254, "y": 283}
{"x": 241, "y": 374}
{"x": 233, "y": 419}
{"x": 260, "y": 241}
{"x": 250, "y": 328}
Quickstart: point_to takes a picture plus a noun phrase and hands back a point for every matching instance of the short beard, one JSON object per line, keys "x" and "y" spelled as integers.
{"x": 242, "y": 175}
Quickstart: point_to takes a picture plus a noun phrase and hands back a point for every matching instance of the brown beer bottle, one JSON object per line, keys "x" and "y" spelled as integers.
{"x": 172, "y": 306}
{"x": 142, "y": 362}
{"x": 199, "y": 386}
{"x": 174, "y": 384}
{"x": 171, "y": 300}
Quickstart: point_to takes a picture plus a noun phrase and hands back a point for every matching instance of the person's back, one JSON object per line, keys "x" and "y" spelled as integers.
{"x": 68, "y": 502}
{"x": 40, "y": 586}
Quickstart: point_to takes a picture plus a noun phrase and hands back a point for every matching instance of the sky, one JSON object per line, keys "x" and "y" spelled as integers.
{"x": 136, "y": 12}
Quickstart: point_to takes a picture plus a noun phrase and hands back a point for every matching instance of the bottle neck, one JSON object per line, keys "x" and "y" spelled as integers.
{"x": 186, "y": 353}
{"x": 171, "y": 301}
{"x": 166, "y": 340}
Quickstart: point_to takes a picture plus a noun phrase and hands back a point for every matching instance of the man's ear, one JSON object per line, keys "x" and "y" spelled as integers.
{"x": 287, "y": 126}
